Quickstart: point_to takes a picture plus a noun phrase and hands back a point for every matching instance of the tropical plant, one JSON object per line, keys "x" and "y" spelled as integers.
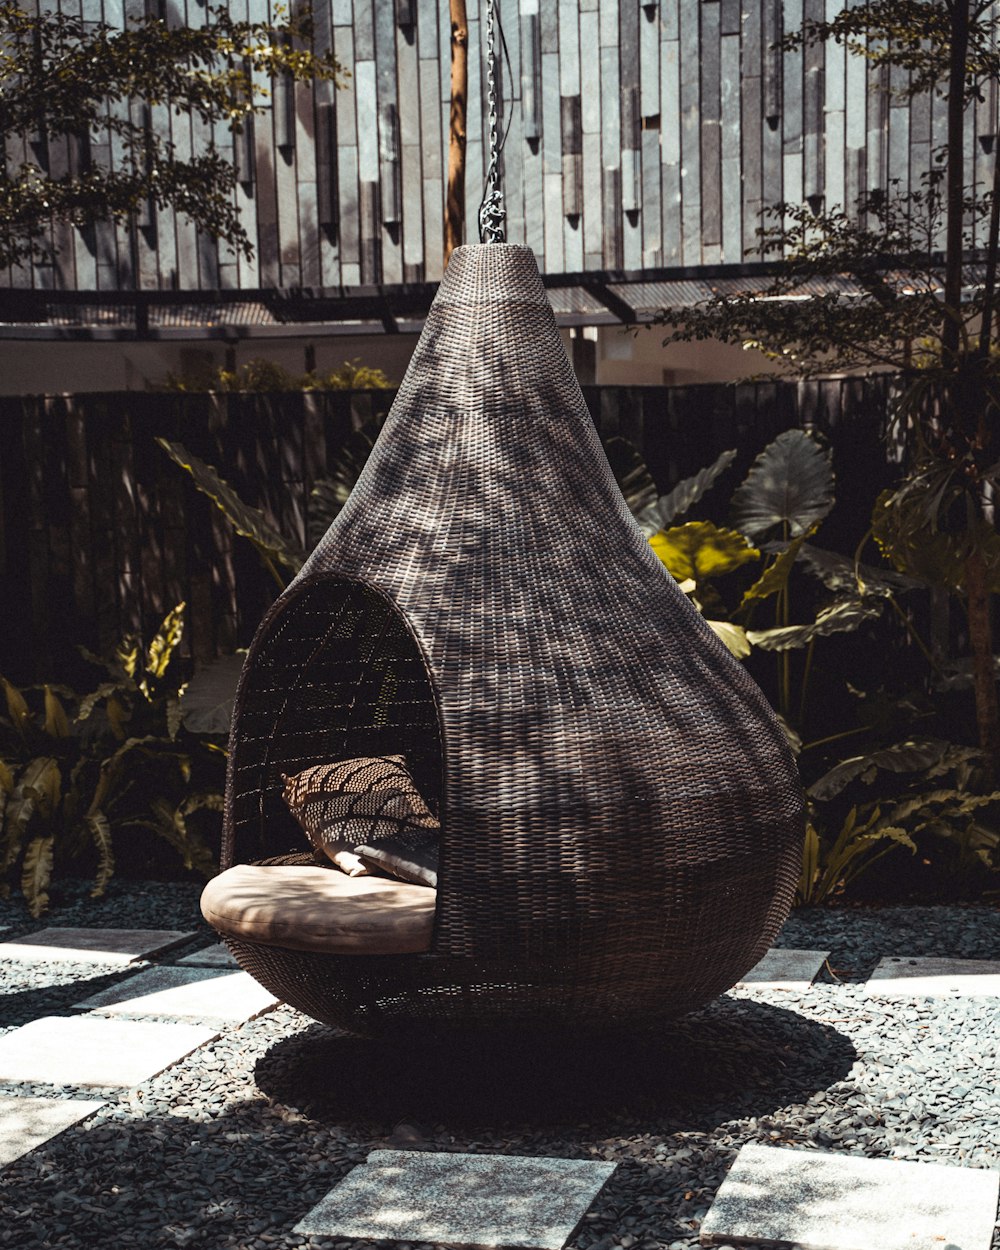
{"x": 916, "y": 793}
{"x": 893, "y": 266}
{"x": 263, "y": 377}
{"x": 78, "y": 772}
{"x": 65, "y": 77}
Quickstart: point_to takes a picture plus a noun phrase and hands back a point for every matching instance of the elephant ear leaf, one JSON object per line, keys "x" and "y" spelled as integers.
{"x": 700, "y": 550}
{"x": 687, "y": 493}
{"x": 790, "y": 485}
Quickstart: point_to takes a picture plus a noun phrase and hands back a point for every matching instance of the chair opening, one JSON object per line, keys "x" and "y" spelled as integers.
{"x": 336, "y": 673}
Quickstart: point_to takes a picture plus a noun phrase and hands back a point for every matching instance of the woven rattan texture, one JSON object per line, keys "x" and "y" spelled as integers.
{"x": 621, "y": 816}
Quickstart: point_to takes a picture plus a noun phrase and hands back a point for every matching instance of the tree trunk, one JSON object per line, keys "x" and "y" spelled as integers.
{"x": 454, "y": 213}
{"x": 955, "y": 176}
{"x": 983, "y": 675}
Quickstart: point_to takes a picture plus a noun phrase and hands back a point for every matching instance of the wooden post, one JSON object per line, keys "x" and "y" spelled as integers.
{"x": 454, "y": 213}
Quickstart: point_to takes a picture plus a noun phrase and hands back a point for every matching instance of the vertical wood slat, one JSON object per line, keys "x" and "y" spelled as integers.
{"x": 571, "y": 119}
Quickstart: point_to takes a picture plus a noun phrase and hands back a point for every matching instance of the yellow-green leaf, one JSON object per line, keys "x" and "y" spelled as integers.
{"x": 90, "y": 701}
{"x": 100, "y": 831}
{"x": 36, "y": 873}
{"x": 701, "y": 550}
{"x": 775, "y": 576}
{"x": 117, "y": 718}
{"x": 17, "y": 708}
{"x": 56, "y": 722}
{"x": 43, "y": 781}
{"x": 6, "y": 778}
{"x": 167, "y": 639}
{"x": 734, "y": 637}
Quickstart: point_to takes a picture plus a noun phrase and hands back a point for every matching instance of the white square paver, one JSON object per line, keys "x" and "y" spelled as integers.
{"x": 118, "y": 946}
{"x": 459, "y": 1199}
{"x": 815, "y": 1201}
{"x": 924, "y": 977}
{"x": 198, "y": 993}
{"x": 29, "y": 1122}
{"x": 785, "y": 969}
{"x": 92, "y": 1050}
{"x": 217, "y": 956}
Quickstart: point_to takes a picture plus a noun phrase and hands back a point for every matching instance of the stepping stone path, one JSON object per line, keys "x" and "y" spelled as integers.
{"x": 90, "y": 1050}
{"x": 198, "y": 993}
{"x": 461, "y": 1199}
{"x": 919, "y": 977}
{"x": 218, "y": 956}
{"x": 119, "y": 946}
{"x": 776, "y": 1196}
{"x": 26, "y": 1123}
{"x": 815, "y": 1201}
{"x": 786, "y": 970}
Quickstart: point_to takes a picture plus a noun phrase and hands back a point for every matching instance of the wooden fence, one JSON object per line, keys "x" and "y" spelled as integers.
{"x": 101, "y": 533}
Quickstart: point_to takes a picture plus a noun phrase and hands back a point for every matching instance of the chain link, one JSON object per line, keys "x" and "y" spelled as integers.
{"x": 492, "y": 213}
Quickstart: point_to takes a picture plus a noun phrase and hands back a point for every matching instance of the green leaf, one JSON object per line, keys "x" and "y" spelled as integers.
{"x": 17, "y": 708}
{"x": 42, "y": 781}
{"x": 790, "y": 485}
{"x": 6, "y": 778}
{"x": 911, "y": 756}
{"x": 687, "y": 493}
{"x": 207, "y": 705}
{"x": 839, "y": 618}
{"x": 249, "y": 522}
{"x": 36, "y": 873}
{"x": 733, "y": 636}
{"x": 90, "y": 701}
{"x": 841, "y": 575}
{"x": 100, "y": 831}
{"x": 165, "y": 642}
{"x": 56, "y": 722}
{"x": 775, "y": 576}
{"x": 701, "y": 550}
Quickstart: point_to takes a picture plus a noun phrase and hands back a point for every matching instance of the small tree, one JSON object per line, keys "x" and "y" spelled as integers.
{"x": 892, "y": 302}
{"x": 66, "y": 79}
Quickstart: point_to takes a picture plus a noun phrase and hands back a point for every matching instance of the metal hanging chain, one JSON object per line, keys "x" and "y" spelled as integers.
{"x": 492, "y": 213}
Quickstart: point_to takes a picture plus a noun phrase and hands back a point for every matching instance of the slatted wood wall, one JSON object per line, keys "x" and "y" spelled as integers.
{"x": 641, "y": 134}
{"x": 102, "y": 534}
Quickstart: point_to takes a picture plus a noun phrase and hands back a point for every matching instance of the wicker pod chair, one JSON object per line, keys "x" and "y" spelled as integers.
{"x": 621, "y": 816}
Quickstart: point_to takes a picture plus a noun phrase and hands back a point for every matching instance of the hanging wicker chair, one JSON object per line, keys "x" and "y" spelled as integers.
{"x": 621, "y": 816}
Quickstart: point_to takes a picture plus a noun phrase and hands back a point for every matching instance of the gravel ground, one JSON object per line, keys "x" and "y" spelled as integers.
{"x": 233, "y": 1145}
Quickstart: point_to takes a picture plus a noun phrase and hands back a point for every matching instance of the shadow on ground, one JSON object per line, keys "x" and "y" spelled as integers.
{"x": 735, "y": 1059}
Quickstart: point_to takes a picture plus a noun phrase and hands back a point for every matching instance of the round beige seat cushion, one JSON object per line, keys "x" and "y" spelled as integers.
{"x": 320, "y": 909}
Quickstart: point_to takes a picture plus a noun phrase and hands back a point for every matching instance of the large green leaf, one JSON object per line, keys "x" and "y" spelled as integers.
{"x": 911, "y": 756}
{"x": 838, "y": 618}
{"x": 687, "y": 493}
{"x": 844, "y": 576}
{"x": 790, "y": 485}
{"x": 700, "y": 550}
{"x": 207, "y": 705}
{"x": 249, "y": 522}
{"x": 734, "y": 637}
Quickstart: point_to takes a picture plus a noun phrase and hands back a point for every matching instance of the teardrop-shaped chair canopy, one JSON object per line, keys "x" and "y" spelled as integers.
{"x": 621, "y": 815}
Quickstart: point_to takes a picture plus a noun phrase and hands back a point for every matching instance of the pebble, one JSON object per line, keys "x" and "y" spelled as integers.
{"x": 252, "y": 1130}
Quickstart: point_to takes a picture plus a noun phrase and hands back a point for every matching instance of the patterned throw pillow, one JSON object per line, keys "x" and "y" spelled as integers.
{"x": 359, "y": 802}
